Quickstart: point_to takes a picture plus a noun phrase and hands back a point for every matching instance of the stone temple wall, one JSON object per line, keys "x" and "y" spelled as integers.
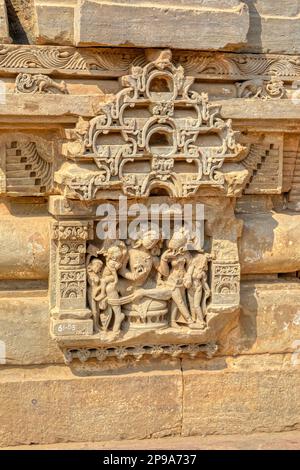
{"x": 182, "y": 102}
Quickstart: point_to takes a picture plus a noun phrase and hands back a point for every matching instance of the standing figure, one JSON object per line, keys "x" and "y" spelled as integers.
{"x": 94, "y": 268}
{"x": 107, "y": 292}
{"x": 198, "y": 288}
{"x": 179, "y": 258}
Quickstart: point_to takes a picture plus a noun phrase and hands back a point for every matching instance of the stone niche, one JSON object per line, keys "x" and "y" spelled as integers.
{"x": 156, "y": 142}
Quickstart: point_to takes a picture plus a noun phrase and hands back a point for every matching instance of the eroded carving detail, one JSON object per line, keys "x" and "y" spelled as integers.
{"x": 260, "y": 88}
{"x": 149, "y": 284}
{"x": 38, "y": 83}
{"x": 113, "y": 61}
{"x": 138, "y": 352}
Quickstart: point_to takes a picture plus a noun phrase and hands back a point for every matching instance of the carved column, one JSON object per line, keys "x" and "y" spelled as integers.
{"x": 70, "y": 314}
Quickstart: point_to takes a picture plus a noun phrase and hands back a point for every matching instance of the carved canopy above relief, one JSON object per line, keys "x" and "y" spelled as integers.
{"x": 157, "y": 133}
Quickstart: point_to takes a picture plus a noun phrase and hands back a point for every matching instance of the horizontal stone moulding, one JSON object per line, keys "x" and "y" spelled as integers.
{"x": 138, "y": 352}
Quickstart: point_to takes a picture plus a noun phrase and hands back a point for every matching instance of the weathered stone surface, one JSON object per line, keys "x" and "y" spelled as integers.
{"x": 274, "y": 26}
{"x": 270, "y": 243}
{"x": 24, "y": 247}
{"x": 136, "y": 408}
{"x": 24, "y": 325}
{"x": 4, "y": 32}
{"x": 241, "y": 395}
{"x": 58, "y": 405}
{"x": 268, "y": 322}
{"x": 177, "y": 25}
{"x": 210, "y": 316}
{"x": 54, "y": 21}
{"x": 252, "y": 26}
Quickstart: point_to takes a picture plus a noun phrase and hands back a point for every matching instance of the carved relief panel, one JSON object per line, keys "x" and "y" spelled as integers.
{"x": 143, "y": 293}
{"x": 158, "y": 139}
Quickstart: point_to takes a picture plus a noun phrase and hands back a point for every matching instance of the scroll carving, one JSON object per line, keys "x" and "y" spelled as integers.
{"x": 38, "y": 83}
{"x": 260, "y": 88}
{"x": 157, "y": 133}
{"x": 115, "y": 62}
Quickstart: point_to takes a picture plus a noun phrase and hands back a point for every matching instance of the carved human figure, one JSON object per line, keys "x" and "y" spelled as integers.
{"x": 198, "y": 288}
{"x": 178, "y": 257}
{"x": 140, "y": 260}
{"x": 94, "y": 268}
{"x": 108, "y": 292}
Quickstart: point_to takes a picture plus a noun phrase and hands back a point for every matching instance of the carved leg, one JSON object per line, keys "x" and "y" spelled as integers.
{"x": 198, "y": 309}
{"x": 191, "y": 297}
{"x": 107, "y": 321}
{"x": 177, "y": 297}
{"x": 174, "y": 311}
{"x": 206, "y": 294}
{"x": 118, "y": 318}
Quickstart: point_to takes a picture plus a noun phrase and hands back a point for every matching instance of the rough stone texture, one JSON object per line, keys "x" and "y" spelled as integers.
{"x": 257, "y": 441}
{"x": 270, "y": 243}
{"x": 164, "y": 24}
{"x": 58, "y": 405}
{"x": 21, "y": 20}
{"x": 241, "y": 395}
{"x": 213, "y": 24}
{"x": 268, "y": 323}
{"x": 4, "y": 32}
{"x": 204, "y": 397}
{"x": 24, "y": 248}
{"x": 249, "y": 25}
{"x": 24, "y": 325}
{"x": 274, "y": 26}
{"x": 55, "y": 22}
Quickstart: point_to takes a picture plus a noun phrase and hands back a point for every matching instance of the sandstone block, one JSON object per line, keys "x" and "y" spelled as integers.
{"x": 241, "y": 395}
{"x": 24, "y": 247}
{"x": 269, "y": 319}
{"x": 24, "y": 328}
{"x": 51, "y": 404}
{"x": 4, "y": 31}
{"x": 162, "y": 25}
{"x": 274, "y": 26}
{"x": 55, "y": 22}
{"x": 270, "y": 243}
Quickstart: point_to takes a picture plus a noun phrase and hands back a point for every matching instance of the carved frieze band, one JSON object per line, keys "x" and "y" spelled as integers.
{"x": 116, "y": 62}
